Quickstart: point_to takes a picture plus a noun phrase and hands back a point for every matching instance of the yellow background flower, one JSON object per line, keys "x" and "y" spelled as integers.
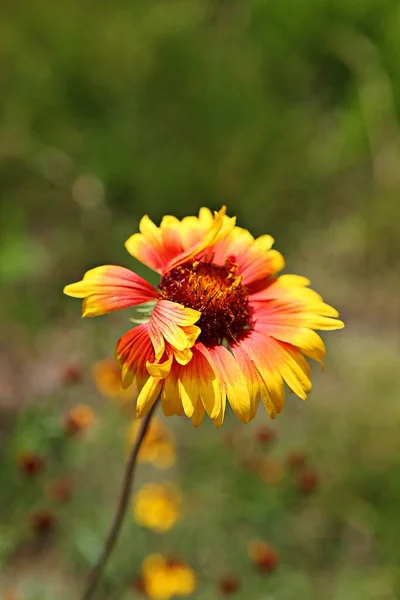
{"x": 158, "y": 446}
{"x": 107, "y": 377}
{"x": 157, "y": 506}
{"x": 163, "y": 579}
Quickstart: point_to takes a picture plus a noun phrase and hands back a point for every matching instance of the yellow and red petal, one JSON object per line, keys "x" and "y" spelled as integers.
{"x": 209, "y": 383}
{"x": 218, "y": 421}
{"x": 260, "y": 262}
{"x": 174, "y": 242}
{"x": 148, "y": 246}
{"x": 109, "y": 288}
{"x": 183, "y": 357}
{"x": 288, "y": 299}
{"x": 231, "y": 377}
{"x": 171, "y": 236}
{"x": 160, "y": 370}
{"x": 198, "y": 415}
{"x": 170, "y": 398}
{"x": 307, "y": 340}
{"x": 275, "y": 360}
{"x": 254, "y": 258}
{"x": 198, "y": 239}
{"x": 172, "y": 323}
{"x": 196, "y": 383}
{"x": 251, "y": 377}
{"x": 134, "y": 350}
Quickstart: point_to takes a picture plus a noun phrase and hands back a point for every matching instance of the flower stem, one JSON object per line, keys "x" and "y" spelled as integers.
{"x": 97, "y": 570}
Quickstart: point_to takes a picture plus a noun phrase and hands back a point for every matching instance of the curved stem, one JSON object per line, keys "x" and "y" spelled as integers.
{"x": 97, "y": 570}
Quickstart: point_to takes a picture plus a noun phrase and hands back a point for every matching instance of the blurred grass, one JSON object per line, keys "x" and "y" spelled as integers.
{"x": 286, "y": 111}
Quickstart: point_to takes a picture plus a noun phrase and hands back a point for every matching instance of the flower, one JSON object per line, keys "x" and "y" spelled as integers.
{"x": 296, "y": 459}
{"x": 228, "y": 585}
{"x": 158, "y": 445}
{"x": 31, "y": 463}
{"x": 107, "y": 377}
{"x": 271, "y": 470}
{"x": 42, "y": 522}
{"x": 264, "y": 435}
{"x": 11, "y": 594}
{"x": 71, "y": 373}
{"x": 79, "y": 418}
{"x": 58, "y": 490}
{"x": 163, "y": 578}
{"x": 307, "y": 480}
{"x": 157, "y": 506}
{"x": 264, "y": 556}
{"x": 222, "y": 323}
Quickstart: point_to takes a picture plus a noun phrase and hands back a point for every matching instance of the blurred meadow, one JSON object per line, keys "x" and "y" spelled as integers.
{"x": 288, "y": 113}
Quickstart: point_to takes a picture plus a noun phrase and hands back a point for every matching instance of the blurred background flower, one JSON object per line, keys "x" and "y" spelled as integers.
{"x": 164, "y": 578}
{"x": 107, "y": 377}
{"x": 228, "y": 585}
{"x": 264, "y": 556}
{"x": 157, "y": 506}
{"x": 31, "y": 464}
{"x": 78, "y": 419}
{"x": 158, "y": 447}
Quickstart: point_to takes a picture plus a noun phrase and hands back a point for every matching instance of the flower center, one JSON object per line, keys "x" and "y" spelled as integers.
{"x": 213, "y": 290}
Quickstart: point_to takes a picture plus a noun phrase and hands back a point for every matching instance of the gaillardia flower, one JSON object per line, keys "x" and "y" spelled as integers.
{"x": 221, "y": 325}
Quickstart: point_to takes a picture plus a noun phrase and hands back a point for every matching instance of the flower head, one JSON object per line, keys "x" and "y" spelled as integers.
{"x": 58, "y": 490}
{"x": 222, "y": 323}
{"x": 158, "y": 445}
{"x": 297, "y": 459}
{"x": 307, "y": 480}
{"x": 264, "y": 435}
{"x": 11, "y": 594}
{"x": 79, "y": 418}
{"x": 157, "y": 506}
{"x": 71, "y": 373}
{"x": 42, "y": 522}
{"x": 264, "y": 556}
{"x": 228, "y": 585}
{"x": 271, "y": 470}
{"x": 163, "y": 578}
{"x": 31, "y": 463}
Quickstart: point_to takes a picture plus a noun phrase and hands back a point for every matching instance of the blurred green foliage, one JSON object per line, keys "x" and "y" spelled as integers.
{"x": 288, "y": 113}
{"x": 175, "y": 104}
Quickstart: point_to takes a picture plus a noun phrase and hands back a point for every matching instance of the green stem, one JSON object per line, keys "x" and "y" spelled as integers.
{"x": 109, "y": 544}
